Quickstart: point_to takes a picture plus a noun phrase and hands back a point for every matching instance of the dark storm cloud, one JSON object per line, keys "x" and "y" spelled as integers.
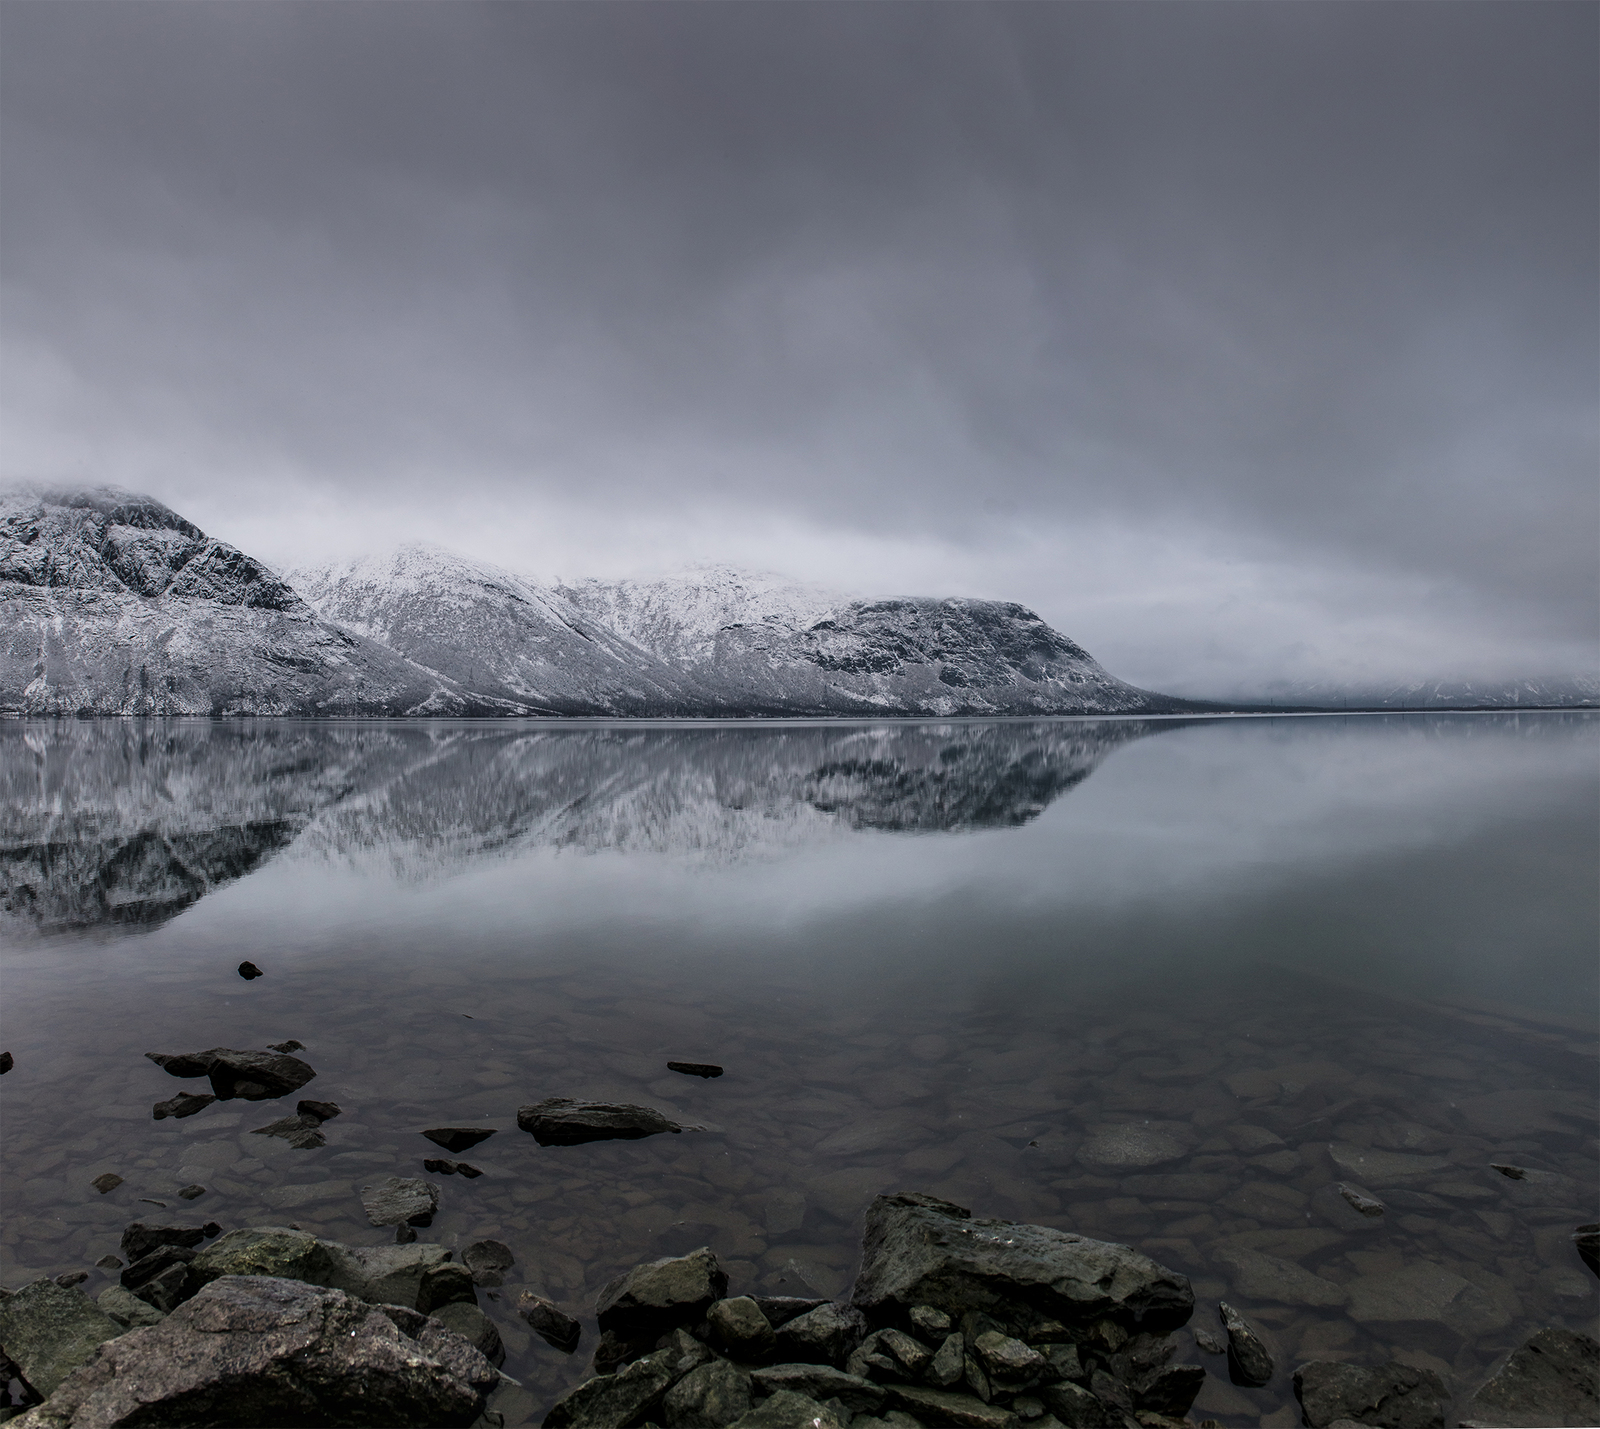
{"x": 1321, "y": 277}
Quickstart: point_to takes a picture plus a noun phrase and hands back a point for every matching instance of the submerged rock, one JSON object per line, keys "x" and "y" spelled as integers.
{"x": 323, "y": 1111}
{"x": 918, "y": 1250}
{"x": 184, "y": 1104}
{"x": 290, "y": 1046}
{"x": 1249, "y": 1361}
{"x": 695, "y": 1069}
{"x": 459, "y": 1138}
{"x": 1133, "y": 1146}
{"x": 253, "y": 1076}
{"x": 443, "y": 1166}
{"x": 275, "y": 1352}
{"x": 654, "y": 1298}
{"x": 1552, "y": 1378}
{"x": 485, "y": 1259}
{"x": 551, "y": 1324}
{"x": 400, "y": 1199}
{"x": 1391, "y": 1396}
{"x": 191, "y": 1193}
{"x": 562, "y": 1121}
{"x": 302, "y": 1132}
{"x": 48, "y": 1330}
{"x": 109, "y": 1181}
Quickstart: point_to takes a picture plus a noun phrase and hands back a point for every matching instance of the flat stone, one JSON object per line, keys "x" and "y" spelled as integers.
{"x": 787, "y": 1410}
{"x": 290, "y": 1046}
{"x": 109, "y": 1181}
{"x": 1426, "y": 1293}
{"x": 1517, "y": 1113}
{"x": 918, "y": 1250}
{"x": 739, "y": 1329}
{"x": 1249, "y": 1361}
{"x": 276, "y": 1352}
{"x": 827, "y": 1334}
{"x": 946, "y": 1406}
{"x": 562, "y": 1121}
{"x": 400, "y": 1200}
{"x": 1255, "y": 1275}
{"x": 550, "y": 1323}
{"x": 1392, "y": 1395}
{"x": 1252, "y": 1139}
{"x": 1268, "y": 1201}
{"x": 1076, "y": 1408}
{"x": 1550, "y": 1379}
{"x": 695, "y": 1069}
{"x": 712, "y": 1395}
{"x": 254, "y": 1076}
{"x": 265, "y": 1250}
{"x": 48, "y": 1330}
{"x": 1372, "y": 1167}
{"x": 191, "y": 1193}
{"x": 379, "y": 1274}
{"x": 654, "y": 1298}
{"x": 1138, "y": 1144}
{"x": 1539, "y": 1188}
{"x": 459, "y": 1138}
{"x": 487, "y": 1259}
{"x": 184, "y": 1104}
{"x": 821, "y": 1383}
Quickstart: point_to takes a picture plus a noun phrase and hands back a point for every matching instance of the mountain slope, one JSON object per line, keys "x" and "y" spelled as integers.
{"x": 111, "y": 604}
{"x": 769, "y": 646}
{"x": 496, "y": 632}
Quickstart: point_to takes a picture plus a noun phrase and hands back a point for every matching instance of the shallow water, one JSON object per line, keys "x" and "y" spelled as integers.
{"x": 962, "y": 958}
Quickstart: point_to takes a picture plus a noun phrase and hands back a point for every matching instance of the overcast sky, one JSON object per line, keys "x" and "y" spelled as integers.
{"x": 1242, "y": 340}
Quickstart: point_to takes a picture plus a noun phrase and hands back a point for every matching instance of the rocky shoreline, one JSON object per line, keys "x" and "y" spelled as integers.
{"x": 953, "y": 1321}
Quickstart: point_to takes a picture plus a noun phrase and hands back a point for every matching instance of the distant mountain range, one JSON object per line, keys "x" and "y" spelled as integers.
{"x": 112, "y": 604}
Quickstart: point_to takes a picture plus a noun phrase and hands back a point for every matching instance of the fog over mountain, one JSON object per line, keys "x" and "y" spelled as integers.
{"x": 1244, "y": 343}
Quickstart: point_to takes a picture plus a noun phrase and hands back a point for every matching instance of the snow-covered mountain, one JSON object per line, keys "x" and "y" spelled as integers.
{"x": 111, "y": 604}
{"x": 713, "y": 641}
{"x": 497, "y": 633}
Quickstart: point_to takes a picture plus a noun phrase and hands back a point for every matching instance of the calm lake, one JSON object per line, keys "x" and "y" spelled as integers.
{"x": 1161, "y": 982}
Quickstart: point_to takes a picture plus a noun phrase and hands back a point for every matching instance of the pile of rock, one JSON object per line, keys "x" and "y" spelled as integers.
{"x": 954, "y": 1321}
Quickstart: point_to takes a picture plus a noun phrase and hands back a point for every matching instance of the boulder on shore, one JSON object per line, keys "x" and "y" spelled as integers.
{"x": 257, "y": 1351}
{"x": 919, "y": 1250}
{"x": 48, "y": 1330}
{"x": 1551, "y": 1379}
{"x": 1391, "y": 1396}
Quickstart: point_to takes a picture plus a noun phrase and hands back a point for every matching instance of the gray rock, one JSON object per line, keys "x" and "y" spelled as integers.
{"x": 917, "y": 1250}
{"x": 270, "y": 1250}
{"x": 48, "y": 1330}
{"x": 1337, "y": 1211}
{"x": 474, "y": 1326}
{"x": 910, "y": 1356}
{"x": 301, "y": 1132}
{"x": 1209, "y": 1341}
{"x": 163, "y": 1278}
{"x": 1360, "y": 1201}
{"x": 400, "y": 1200}
{"x": 1167, "y": 1389}
{"x": 1249, "y": 1361}
{"x": 128, "y": 1309}
{"x": 551, "y": 1324}
{"x": 561, "y": 1121}
{"x": 1010, "y": 1365}
{"x": 108, "y": 1181}
{"x": 1587, "y": 1241}
{"x": 138, "y": 1240}
{"x": 821, "y": 1382}
{"x": 486, "y": 1259}
{"x": 654, "y": 1298}
{"x": 1063, "y": 1360}
{"x": 254, "y": 1076}
{"x": 780, "y": 1309}
{"x": 787, "y": 1410}
{"x": 323, "y": 1111}
{"x": 1369, "y": 1166}
{"x": 1255, "y": 1275}
{"x": 933, "y": 1325}
{"x": 184, "y": 1104}
{"x": 712, "y": 1395}
{"x": 949, "y": 1362}
{"x": 740, "y": 1330}
{"x": 1423, "y": 1293}
{"x": 1537, "y": 1188}
{"x": 827, "y": 1334}
{"x": 610, "y": 1400}
{"x": 191, "y": 1193}
{"x": 458, "y": 1138}
{"x": 1076, "y": 1408}
{"x": 445, "y": 1284}
{"x": 1550, "y": 1379}
{"x": 1135, "y": 1145}
{"x": 1390, "y": 1396}
{"x": 379, "y": 1274}
{"x": 945, "y": 1406}
{"x": 274, "y": 1352}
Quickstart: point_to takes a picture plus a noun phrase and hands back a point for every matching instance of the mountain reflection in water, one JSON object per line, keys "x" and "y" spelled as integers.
{"x": 123, "y": 825}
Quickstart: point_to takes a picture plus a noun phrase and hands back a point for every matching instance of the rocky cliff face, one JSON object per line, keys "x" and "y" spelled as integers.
{"x": 110, "y": 604}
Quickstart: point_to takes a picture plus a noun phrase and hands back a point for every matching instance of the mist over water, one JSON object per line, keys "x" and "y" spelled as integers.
{"x": 932, "y": 956}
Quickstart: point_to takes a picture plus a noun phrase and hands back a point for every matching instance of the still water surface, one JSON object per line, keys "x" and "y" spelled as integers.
{"x": 962, "y": 958}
